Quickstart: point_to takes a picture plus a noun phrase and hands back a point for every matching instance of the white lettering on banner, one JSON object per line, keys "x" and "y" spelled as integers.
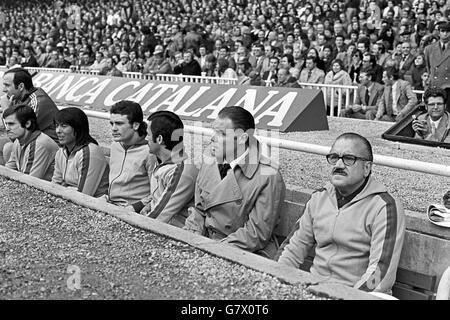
{"x": 41, "y": 78}
{"x": 48, "y": 86}
{"x": 109, "y": 99}
{"x": 140, "y": 94}
{"x": 173, "y": 100}
{"x": 218, "y": 104}
{"x": 182, "y": 110}
{"x": 94, "y": 92}
{"x": 63, "y": 87}
{"x": 70, "y": 96}
{"x": 278, "y": 115}
{"x": 162, "y": 88}
{"x": 249, "y": 100}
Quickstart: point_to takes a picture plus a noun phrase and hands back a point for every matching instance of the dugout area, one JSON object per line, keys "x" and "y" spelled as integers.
{"x": 402, "y": 131}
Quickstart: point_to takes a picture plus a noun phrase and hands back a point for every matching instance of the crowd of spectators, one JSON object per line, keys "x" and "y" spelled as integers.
{"x": 266, "y": 43}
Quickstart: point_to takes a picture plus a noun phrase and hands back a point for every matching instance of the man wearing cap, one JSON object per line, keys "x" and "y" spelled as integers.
{"x": 124, "y": 64}
{"x": 157, "y": 64}
{"x": 437, "y": 60}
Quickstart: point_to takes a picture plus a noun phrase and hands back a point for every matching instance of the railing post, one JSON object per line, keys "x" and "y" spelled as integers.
{"x": 339, "y": 106}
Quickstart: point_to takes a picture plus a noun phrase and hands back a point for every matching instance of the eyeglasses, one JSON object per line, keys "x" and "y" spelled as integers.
{"x": 347, "y": 159}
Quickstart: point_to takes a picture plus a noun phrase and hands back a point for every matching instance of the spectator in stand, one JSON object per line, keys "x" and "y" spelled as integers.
{"x": 99, "y": 63}
{"x": 269, "y": 78}
{"x": 436, "y": 59}
{"x": 243, "y": 71}
{"x": 110, "y": 69}
{"x": 29, "y": 60}
{"x": 414, "y": 74}
{"x": 398, "y": 99}
{"x": 368, "y": 97}
{"x": 223, "y": 69}
{"x": 369, "y": 62}
{"x": 187, "y": 66}
{"x": 435, "y": 124}
{"x": 80, "y": 163}
{"x": 355, "y": 66}
{"x": 157, "y": 64}
{"x": 337, "y": 76}
{"x": 379, "y": 51}
{"x": 406, "y": 61}
{"x": 311, "y": 74}
{"x": 33, "y": 152}
{"x": 124, "y": 64}
{"x": 283, "y": 78}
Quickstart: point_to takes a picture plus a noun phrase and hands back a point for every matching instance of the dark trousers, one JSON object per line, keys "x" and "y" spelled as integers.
{"x": 447, "y": 90}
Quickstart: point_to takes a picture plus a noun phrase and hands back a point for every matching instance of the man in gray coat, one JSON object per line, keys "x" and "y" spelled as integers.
{"x": 437, "y": 60}
{"x": 238, "y": 192}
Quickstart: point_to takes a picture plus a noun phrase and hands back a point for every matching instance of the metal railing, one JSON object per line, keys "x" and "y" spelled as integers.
{"x": 338, "y": 93}
{"x": 270, "y": 142}
{"x": 147, "y": 76}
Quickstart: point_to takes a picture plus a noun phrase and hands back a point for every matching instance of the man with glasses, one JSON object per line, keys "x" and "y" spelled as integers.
{"x": 435, "y": 124}
{"x": 437, "y": 60}
{"x": 356, "y": 226}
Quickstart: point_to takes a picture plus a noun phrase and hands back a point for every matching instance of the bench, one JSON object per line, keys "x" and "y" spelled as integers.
{"x": 425, "y": 254}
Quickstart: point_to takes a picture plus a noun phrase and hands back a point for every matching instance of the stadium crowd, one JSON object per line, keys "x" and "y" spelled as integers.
{"x": 264, "y": 43}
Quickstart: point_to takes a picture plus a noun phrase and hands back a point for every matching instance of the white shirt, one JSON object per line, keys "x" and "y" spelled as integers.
{"x": 435, "y": 123}
{"x": 395, "y": 110}
{"x": 238, "y": 159}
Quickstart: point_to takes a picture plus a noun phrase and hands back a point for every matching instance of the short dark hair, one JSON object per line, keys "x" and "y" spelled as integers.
{"x": 241, "y": 118}
{"x": 23, "y": 114}
{"x": 434, "y": 92}
{"x": 78, "y": 120}
{"x": 357, "y": 137}
{"x": 21, "y": 76}
{"x": 392, "y": 71}
{"x": 168, "y": 125}
{"x": 369, "y": 72}
{"x": 133, "y": 111}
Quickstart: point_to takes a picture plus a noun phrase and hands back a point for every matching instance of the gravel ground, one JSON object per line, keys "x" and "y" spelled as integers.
{"x": 302, "y": 170}
{"x": 42, "y": 237}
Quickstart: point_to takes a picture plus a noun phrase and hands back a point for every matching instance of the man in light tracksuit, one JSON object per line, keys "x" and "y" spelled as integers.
{"x": 356, "y": 225}
{"x": 173, "y": 177}
{"x": 33, "y": 152}
{"x": 130, "y": 163}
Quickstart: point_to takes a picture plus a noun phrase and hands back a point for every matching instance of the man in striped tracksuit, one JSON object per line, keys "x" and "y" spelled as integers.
{"x": 356, "y": 225}
{"x": 33, "y": 152}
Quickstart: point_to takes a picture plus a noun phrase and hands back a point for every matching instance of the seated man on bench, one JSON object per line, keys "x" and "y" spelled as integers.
{"x": 238, "y": 192}
{"x": 356, "y": 225}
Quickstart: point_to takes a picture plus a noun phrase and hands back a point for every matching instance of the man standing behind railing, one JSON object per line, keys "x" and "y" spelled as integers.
{"x": 437, "y": 59}
{"x": 311, "y": 74}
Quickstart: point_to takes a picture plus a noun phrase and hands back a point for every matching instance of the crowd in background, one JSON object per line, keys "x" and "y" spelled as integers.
{"x": 257, "y": 42}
